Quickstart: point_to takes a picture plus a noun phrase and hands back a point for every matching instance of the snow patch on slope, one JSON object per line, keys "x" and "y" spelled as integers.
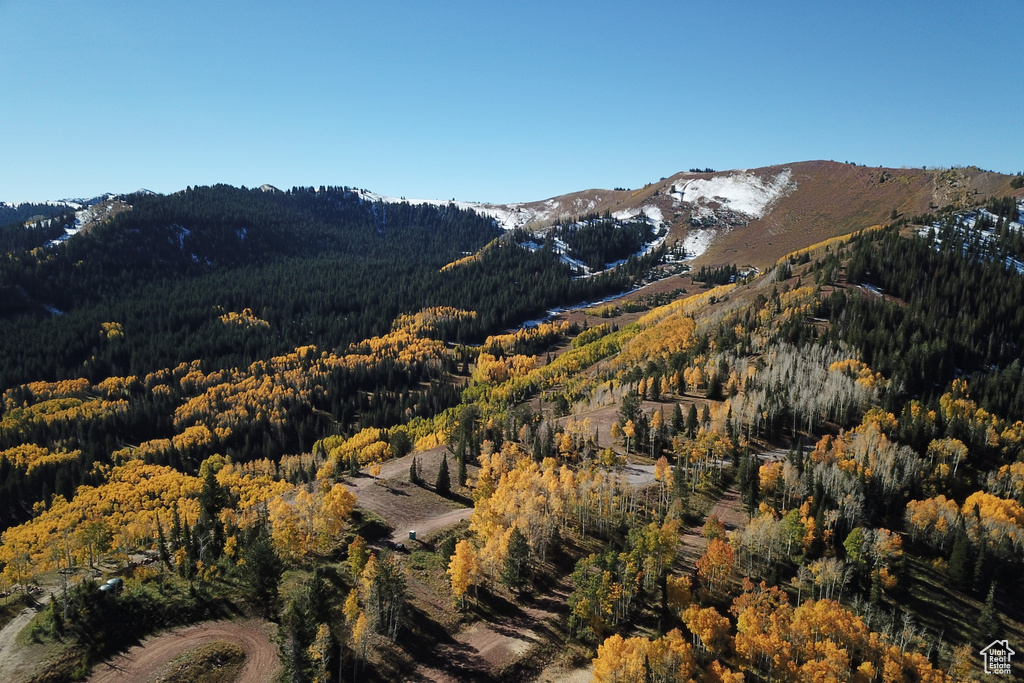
{"x": 742, "y": 192}
{"x": 507, "y": 216}
{"x": 88, "y": 216}
{"x": 652, "y": 213}
{"x": 697, "y": 242}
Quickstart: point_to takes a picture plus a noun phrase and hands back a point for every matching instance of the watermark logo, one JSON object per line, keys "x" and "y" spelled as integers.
{"x": 997, "y": 657}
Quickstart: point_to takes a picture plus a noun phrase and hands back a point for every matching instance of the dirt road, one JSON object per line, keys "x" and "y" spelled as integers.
{"x": 426, "y": 525}
{"x": 11, "y": 658}
{"x": 148, "y": 661}
{"x": 404, "y": 506}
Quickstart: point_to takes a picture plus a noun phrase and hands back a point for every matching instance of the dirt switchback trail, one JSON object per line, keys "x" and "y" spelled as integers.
{"x": 148, "y": 661}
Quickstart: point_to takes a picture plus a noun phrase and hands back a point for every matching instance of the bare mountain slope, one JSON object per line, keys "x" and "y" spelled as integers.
{"x": 754, "y": 217}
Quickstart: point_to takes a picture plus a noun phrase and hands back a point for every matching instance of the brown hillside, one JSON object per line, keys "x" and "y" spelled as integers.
{"x": 835, "y": 199}
{"x": 826, "y": 199}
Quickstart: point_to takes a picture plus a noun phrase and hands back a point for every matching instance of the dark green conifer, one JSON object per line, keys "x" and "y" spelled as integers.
{"x": 444, "y": 484}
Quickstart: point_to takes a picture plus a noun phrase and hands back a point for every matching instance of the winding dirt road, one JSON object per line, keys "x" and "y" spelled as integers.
{"x": 148, "y": 661}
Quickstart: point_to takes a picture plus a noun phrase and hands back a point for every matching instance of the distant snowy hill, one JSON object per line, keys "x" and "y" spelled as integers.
{"x": 755, "y": 216}
{"x": 712, "y": 201}
{"x": 744, "y": 217}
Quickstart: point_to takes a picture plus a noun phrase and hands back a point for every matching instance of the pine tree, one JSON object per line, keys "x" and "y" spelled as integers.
{"x": 513, "y": 573}
{"x": 749, "y": 482}
{"x": 463, "y": 476}
{"x": 414, "y": 475}
{"x": 678, "y": 423}
{"x": 175, "y": 527}
{"x": 988, "y": 621}
{"x": 982, "y": 571}
{"x": 444, "y": 484}
{"x": 960, "y": 561}
{"x": 190, "y": 551}
{"x": 679, "y": 478}
{"x": 691, "y": 421}
{"x": 165, "y": 557}
{"x": 262, "y": 569}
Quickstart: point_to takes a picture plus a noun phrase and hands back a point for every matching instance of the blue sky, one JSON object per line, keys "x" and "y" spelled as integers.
{"x": 494, "y": 102}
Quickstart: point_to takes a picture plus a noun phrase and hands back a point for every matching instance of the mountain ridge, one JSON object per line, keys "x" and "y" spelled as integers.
{"x": 829, "y": 199}
{"x": 822, "y": 199}
{"x": 714, "y": 215}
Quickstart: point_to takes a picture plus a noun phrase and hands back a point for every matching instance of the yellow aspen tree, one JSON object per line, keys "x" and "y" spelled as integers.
{"x": 361, "y": 635}
{"x": 367, "y": 577}
{"x": 718, "y": 673}
{"x": 320, "y": 652}
{"x": 710, "y": 628}
{"x": 351, "y": 608}
{"x": 610, "y": 661}
{"x": 716, "y": 564}
{"x": 357, "y": 556}
{"x": 679, "y": 591}
{"x": 463, "y": 570}
{"x": 337, "y": 505}
{"x": 286, "y": 529}
{"x": 662, "y": 475}
{"x": 629, "y": 431}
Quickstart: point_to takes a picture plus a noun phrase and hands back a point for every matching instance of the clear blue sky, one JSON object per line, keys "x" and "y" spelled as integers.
{"x": 500, "y": 102}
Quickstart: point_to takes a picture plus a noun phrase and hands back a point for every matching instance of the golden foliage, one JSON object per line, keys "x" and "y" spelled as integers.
{"x": 715, "y": 565}
{"x": 463, "y": 569}
{"x": 29, "y": 456}
{"x": 128, "y": 503}
{"x": 710, "y": 628}
{"x": 635, "y": 660}
{"x": 545, "y": 333}
{"x": 860, "y": 372}
{"x": 991, "y": 519}
{"x": 112, "y": 330}
{"x": 244, "y": 319}
{"x": 311, "y": 522}
{"x": 819, "y": 640}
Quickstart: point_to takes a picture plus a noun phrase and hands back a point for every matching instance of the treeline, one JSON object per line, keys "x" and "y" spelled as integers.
{"x": 323, "y": 301}
{"x": 714, "y": 276}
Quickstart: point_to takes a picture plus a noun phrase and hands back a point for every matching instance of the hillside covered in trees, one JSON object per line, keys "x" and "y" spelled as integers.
{"x": 250, "y": 400}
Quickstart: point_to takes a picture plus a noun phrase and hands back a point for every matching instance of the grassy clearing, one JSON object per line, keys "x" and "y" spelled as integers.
{"x": 213, "y": 663}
